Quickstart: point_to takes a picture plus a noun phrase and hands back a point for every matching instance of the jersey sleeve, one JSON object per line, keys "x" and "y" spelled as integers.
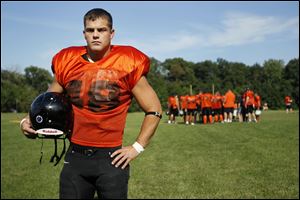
{"x": 57, "y": 65}
{"x": 63, "y": 61}
{"x": 141, "y": 68}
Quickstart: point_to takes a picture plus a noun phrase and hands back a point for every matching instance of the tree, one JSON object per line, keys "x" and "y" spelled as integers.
{"x": 291, "y": 75}
{"x": 255, "y": 74}
{"x": 207, "y": 74}
{"x": 156, "y": 78}
{"x": 179, "y": 70}
{"x": 16, "y": 95}
{"x": 272, "y": 81}
{"x": 38, "y": 78}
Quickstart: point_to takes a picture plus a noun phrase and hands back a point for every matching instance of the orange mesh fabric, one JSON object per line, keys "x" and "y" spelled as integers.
{"x": 100, "y": 91}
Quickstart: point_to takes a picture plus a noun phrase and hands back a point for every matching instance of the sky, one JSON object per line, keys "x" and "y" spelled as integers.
{"x": 32, "y": 32}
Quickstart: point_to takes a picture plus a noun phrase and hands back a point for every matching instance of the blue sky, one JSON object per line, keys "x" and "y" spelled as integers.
{"x": 248, "y": 32}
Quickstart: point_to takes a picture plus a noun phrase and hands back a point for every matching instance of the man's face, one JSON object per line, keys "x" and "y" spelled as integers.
{"x": 98, "y": 35}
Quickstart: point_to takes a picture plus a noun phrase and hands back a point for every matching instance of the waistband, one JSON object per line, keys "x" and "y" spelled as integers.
{"x": 89, "y": 151}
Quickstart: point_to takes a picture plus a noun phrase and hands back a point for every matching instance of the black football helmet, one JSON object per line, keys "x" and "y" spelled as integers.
{"x": 51, "y": 114}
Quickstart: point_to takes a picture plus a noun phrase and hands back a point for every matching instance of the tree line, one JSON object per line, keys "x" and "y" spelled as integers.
{"x": 272, "y": 80}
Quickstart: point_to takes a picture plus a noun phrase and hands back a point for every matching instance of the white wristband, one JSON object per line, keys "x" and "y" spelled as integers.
{"x": 22, "y": 122}
{"x": 139, "y": 148}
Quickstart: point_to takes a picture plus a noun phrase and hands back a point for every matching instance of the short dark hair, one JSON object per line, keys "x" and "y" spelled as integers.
{"x": 96, "y": 13}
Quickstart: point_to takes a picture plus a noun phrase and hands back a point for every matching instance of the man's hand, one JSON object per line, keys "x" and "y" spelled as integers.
{"x": 124, "y": 156}
{"x": 26, "y": 129}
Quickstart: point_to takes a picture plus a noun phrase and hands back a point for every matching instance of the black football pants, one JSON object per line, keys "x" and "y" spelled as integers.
{"x": 89, "y": 170}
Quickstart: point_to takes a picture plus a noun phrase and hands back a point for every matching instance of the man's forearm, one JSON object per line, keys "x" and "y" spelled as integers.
{"x": 148, "y": 129}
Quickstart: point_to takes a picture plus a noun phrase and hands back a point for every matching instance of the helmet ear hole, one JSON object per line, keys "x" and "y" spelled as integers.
{"x": 51, "y": 114}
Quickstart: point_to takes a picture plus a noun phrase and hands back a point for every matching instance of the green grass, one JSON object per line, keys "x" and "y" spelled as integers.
{"x": 237, "y": 160}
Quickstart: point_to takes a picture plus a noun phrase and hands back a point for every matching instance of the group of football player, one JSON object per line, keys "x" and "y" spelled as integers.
{"x": 208, "y": 108}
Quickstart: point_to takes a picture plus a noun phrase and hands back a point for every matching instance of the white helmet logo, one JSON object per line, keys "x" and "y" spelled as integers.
{"x": 39, "y": 119}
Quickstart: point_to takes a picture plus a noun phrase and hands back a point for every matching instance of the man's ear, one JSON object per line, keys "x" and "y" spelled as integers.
{"x": 84, "y": 34}
{"x": 112, "y": 33}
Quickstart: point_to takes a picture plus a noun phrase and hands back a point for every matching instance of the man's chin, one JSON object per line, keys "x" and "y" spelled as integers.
{"x": 96, "y": 48}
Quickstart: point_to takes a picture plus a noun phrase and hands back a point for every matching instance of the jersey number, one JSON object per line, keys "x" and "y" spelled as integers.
{"x": 103, "y": 95}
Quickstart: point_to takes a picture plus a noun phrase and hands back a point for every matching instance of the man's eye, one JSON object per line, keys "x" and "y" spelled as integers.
{"x": 101, "y": 29}
{"x": 89, "y": 30}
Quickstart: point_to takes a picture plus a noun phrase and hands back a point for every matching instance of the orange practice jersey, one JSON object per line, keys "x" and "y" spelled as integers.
{"x": 257, "y": 101}
{"x": 206, "y": 100}
{"x": 191, "y": 102}
{"x": 183, "y": 101}
{"x": 216, "y": 102}
{"x": 229, "y": 100}
{"x": 100, "y": 91}
{"x": 249, "y": 97}
{"x": 172, "y": 102}
{"x": 198, "y": 97}
{"x": 287, "y": 100}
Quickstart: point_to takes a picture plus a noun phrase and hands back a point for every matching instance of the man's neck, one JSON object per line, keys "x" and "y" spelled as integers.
{"x": 94, "y": 56}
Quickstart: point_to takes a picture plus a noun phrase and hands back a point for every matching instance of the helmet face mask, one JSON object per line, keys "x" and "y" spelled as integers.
{"x": 51, "y": 114}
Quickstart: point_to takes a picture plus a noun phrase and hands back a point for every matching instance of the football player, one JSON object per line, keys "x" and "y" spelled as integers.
{"x": 101, "y": 79}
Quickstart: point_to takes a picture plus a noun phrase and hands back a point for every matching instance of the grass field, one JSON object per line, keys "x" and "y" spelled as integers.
{"x": 237, "y": 160}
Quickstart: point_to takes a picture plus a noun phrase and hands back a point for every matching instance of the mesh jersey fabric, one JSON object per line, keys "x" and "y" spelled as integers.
{"x": 100, "y": 92}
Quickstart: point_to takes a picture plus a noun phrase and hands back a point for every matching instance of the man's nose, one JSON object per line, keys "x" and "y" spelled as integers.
{"x": 96, "y": 34}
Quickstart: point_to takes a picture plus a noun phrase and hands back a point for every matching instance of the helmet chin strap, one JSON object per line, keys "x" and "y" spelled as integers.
{"x": 54, "y": 156}
{"x": 41, "y": 151}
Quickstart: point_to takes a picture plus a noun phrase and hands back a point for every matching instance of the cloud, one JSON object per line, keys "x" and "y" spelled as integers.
{"x": 158, "y": 44}
{"x": 234, "y": 30}
{"x": 240, "y": 29}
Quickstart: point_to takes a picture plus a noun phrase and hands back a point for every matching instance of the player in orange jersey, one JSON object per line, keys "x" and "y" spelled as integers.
{"x": 257, "y": 105}
{"x": 249, "y": 104}
{"x": 217, "y": 107}
{"x": 288, "y": 104}
{"x": 183, "y": 106}
{"x": 191, "y": 108}
{"x": 228, "y": 104}
{"x": 206, "y": 107}
{"x": 173, "y": 107}
{"x": 198, "y": 102}
{"x": 101, "y": 79}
